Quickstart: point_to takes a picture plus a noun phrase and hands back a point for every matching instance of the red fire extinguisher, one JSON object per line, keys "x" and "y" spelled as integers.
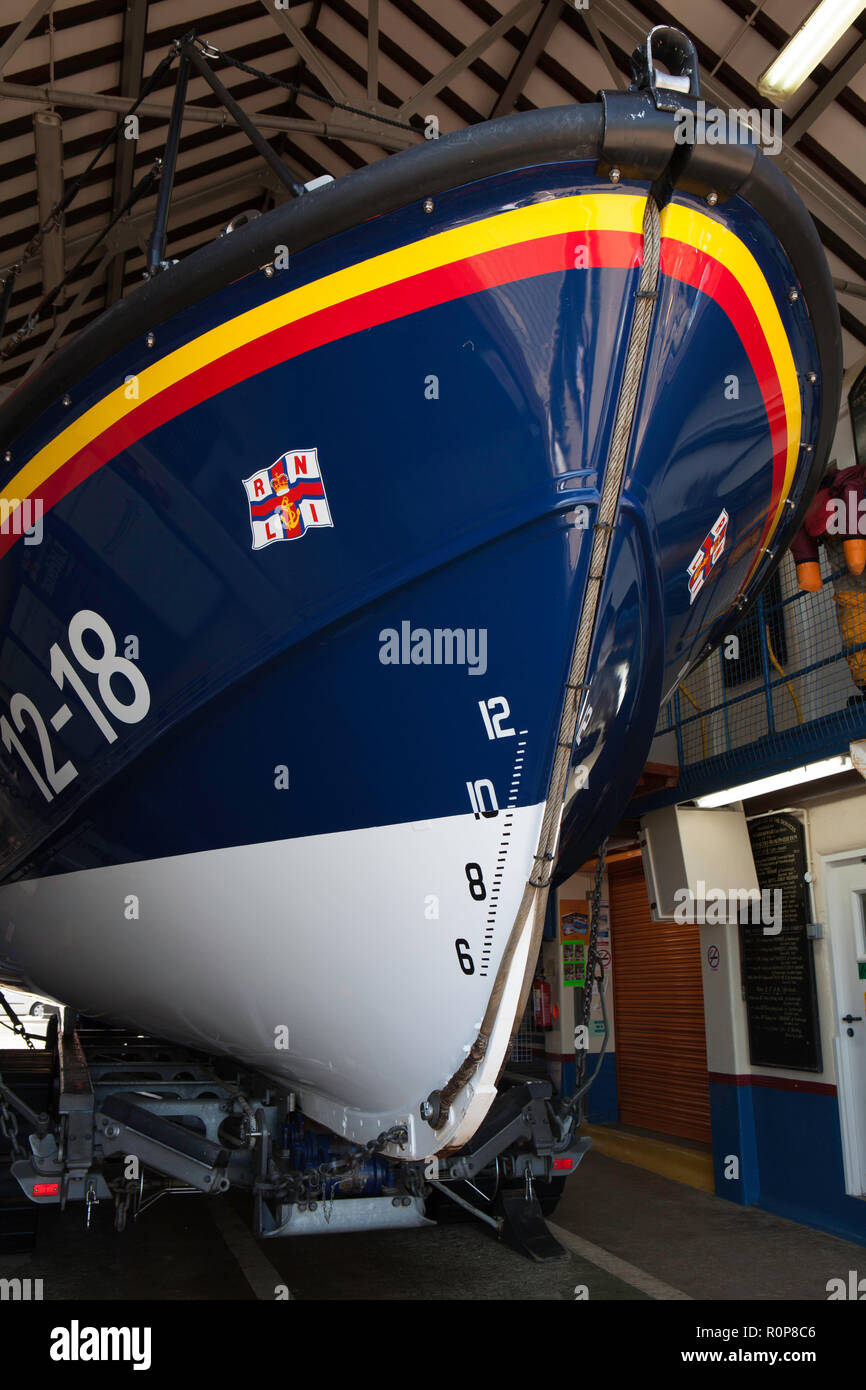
{"x": 541, "y": 1011}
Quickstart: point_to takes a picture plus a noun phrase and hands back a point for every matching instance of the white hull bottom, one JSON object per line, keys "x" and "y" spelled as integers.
{"x": 330, "y": 963}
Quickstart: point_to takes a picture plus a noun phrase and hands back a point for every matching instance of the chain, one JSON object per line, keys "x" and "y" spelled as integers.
{"x": 209, "y": 50}
{"x": 57, "y": 213}
{"x": 17, "y": 1025}
{"x": 55, "y": 216}
{"x": 398, "y": 1134}
{"x": 9, "y": 1102}
{"x": 54, "y": 219}
{"x": 122, "y": 1199}
{"x": 9, "y": 1127}
{"x": 139, "y": 191}
{"x": 591, "y": 956}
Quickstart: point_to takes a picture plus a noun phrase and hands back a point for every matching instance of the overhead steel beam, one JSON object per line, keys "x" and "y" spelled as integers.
{"x": 22, "y": 31}
{"x": 357, "y": 124}
{"x": 851, "y": 324}
{"x": 527, "y": 59}
{"x": 131, "y": 68}
{"x": 132, "y": 232}
{"x": 466, "y": 56}
{"x": 190, "y": 56}
{"x": 601, "y": 44}
{"x": 826, "y": 94}
{"x": 625, "y": 25}
{"x": 372, "y": 50}
{"x": 849, "y": 287}
{"x": 310, "y": 54}
{"x": 48, "y": 141}
{"x": 361, "y": 129}
{"x": 65, "y": 319}
{"x": 744, "y": 28}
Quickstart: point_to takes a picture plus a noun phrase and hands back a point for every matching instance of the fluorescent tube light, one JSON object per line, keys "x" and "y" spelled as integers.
{"x": 778, "y": 782}
{"x": 812, "y": 42}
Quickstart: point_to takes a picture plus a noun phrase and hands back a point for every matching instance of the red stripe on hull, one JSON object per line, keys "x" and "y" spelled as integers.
{"x": 693, "y": 267}
{"x": 505, "y": 265}
{"x": 609, "y": 250}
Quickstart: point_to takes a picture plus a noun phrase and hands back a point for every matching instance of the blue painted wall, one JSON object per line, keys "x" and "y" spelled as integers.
{"x": 790, "y": 1149}
{"x": 602, "y": 1100}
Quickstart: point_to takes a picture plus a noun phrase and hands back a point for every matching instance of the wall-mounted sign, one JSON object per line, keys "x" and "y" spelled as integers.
{"x": 779, "y": 969}
{"x": 574, "y": 938}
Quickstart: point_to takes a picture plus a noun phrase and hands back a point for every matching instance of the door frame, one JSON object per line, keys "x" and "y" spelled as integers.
{"x": 845, "y": 1085}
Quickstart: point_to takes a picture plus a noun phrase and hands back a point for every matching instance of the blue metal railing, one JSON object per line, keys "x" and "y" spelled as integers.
{"x": 797, "y": 705}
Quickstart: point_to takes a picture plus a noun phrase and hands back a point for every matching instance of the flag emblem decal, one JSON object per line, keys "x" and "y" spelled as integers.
{"x": 706, "y": 558}
{"x": 288, "y": 499}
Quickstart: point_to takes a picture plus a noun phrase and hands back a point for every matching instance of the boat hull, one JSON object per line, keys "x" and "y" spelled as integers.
{"x": 295, "y": 774}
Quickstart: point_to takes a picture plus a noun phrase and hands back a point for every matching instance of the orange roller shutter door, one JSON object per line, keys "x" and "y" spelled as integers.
{"x": 661, "y": 1052}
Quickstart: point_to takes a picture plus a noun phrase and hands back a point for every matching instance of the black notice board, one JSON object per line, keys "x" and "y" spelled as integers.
{"x": 779, "y": 971}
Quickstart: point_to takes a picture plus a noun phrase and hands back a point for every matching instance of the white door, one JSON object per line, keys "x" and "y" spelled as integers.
{"x": 846, "y": 906}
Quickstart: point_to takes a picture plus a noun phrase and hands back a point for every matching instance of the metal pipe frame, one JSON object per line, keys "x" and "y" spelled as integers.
{"x": 389, "y": 137}
{"x": 131, "y": 73}
{"x": 23, "y": 30}
{"x": 191, "y": 54}
{"x": 524, "y": 65}
{"x": 131, "y": 231}
{"x": 156, "y": 247}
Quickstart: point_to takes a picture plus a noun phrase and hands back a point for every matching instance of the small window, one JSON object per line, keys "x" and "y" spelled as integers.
{"x": 860, "y": 926}
{"x": 857, "y": 407}
{"x": 750, "y": 666}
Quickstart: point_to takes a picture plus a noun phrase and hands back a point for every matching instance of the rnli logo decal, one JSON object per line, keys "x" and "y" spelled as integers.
{"x": 287, "y": 499}
{"x": 711, "y": 548}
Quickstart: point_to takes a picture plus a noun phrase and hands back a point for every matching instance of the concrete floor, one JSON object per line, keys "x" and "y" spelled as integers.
{"x": 632, "y": 1234}
{"x": 706, "y": 1247}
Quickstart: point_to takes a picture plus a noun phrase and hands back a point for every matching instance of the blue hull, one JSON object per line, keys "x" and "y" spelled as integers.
{"x": 453, "y": 512}
{"x": 379, "y": 665}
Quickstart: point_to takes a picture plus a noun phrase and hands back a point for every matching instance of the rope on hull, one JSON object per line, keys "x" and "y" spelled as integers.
{"x": 537, "y": 887}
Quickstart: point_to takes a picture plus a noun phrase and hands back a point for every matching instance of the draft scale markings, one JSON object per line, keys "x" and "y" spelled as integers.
{"x": 503, "y": 851}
